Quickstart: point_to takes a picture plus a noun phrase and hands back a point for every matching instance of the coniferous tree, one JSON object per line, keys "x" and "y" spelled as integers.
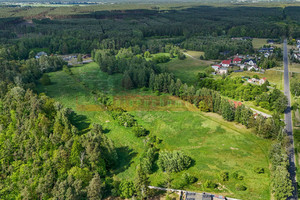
{"x": 94, "y": 188}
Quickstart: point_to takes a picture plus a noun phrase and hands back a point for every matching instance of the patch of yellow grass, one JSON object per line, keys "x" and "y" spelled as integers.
{"x": 195, "y": 54}
{"x": 258, "y": 42}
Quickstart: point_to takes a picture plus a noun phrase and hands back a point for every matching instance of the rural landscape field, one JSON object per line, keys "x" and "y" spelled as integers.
{"x": 163, "y": 100}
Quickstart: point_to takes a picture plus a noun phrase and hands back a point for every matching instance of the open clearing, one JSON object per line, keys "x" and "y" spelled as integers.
{"x": 214, "y": 144}
{"x": 186, "y": 69}
{"x": 259, "y": 42}
{"x": 195, "y": 54}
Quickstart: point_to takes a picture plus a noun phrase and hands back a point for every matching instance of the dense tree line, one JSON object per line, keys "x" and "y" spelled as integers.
{"x": 218, "y": 47}
{"x": 44, "y": 155}
{"x": 25, "y": 73}
{"x": 274, "y": 100}
{"x": 281, "y": 182}
{"x": 237, "y": 88}
{"x": 100, "y": 30}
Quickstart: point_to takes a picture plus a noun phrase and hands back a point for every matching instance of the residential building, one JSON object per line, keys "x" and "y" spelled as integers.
{"x": 226, "y": 63}
{"x": 223, "y": 70}
{"x": 237, "y": 60}
{"x": 216, "y": 67}
{"x": 40, "y": 54}
{"x": 262, "y": 81}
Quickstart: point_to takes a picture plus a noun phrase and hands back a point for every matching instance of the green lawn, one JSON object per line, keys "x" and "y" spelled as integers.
{"x": 274, "y": 77}
{"x": 186, "y": 69}
{"x": 214, "y": 144}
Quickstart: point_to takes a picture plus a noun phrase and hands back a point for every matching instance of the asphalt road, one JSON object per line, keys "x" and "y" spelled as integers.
{"x": 288, "y": 122}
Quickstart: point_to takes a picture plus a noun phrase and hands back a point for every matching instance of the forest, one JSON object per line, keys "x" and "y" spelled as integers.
{"x": 48, "y": 150}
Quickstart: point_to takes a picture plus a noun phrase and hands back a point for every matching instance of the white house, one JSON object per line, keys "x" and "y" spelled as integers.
{"x": 252, "y": 67}
{"x": 223, "y": 70}
{"x": 226, "y": 63}
{"x": 216, "y": 67}
{"x": 250, "y": 62}
{"x": 40, "y": 54}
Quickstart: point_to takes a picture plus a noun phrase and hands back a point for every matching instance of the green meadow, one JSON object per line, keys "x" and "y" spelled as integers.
{"x": 214, "y": 145}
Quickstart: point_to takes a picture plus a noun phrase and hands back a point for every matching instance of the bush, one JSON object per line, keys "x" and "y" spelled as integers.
{"x": 67, "y": 70}
{"x": 237, "y": 176}
{"x": 45, "y": 80}
{"x": 224, "y": 176}
{"x": 161, "y": 59}
{"x": 265, "y": 105}
{"x": 140, "y": 131}
{"x": 157, "y": 93}
{"x": 259, "y": 170}
{"x": 181, "y": 56}
{"x": 256, "y": 76}
{"x": 210, "y": 184}
{"x": 188, "y": 179}
{"x": 240, "y": 187}
{"x": 126, "y": 119}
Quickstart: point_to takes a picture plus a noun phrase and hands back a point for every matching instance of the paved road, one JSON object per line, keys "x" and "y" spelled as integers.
{"x": 288, "y": 122}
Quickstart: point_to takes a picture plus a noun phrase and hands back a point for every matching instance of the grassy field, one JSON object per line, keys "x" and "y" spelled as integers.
{"x": 274, "y": 77}
{"x": 195, "y": 54}
{"x": 214, "y": 144}
{"x": 259, "y": 42}
{"x": 294, "y": 67}
{"x": 186, "y": 69}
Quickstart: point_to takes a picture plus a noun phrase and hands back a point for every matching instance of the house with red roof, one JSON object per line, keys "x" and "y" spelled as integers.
{"x": 237, "y": 60}
{"x": 226, "y": 63}
{"x": 262, "y": 81}
{"x": 236, "y": 103}
{"x": 216, "y": 67}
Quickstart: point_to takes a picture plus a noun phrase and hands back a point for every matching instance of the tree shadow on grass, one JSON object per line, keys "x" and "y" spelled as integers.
{"x": 125, "y": 156}
{"x": 106, "y": 130}
{"x": 81, "y": 122}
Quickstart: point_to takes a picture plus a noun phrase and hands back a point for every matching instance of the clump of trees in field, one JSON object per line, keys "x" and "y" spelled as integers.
{"x": 175, "y": 161}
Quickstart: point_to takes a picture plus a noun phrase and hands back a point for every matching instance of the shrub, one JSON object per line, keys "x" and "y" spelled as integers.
{"x": 259, "y": 170}
{"x": 240, "y": 187}
{"x": 67, "y": 70}
{"x": 181, "y": 56}
{"x": 126, "y": 119}
{"x": 188, "y": 179}
{"x": 161, "y": 59}
{"x": 224, "y": 176}
{"x": 237, "y": 176}
{"x": 210, "y": 184}
{"x": 45, "y": 80}
{"x": 157, "y": 93}
{"x": 140, "y": 131}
